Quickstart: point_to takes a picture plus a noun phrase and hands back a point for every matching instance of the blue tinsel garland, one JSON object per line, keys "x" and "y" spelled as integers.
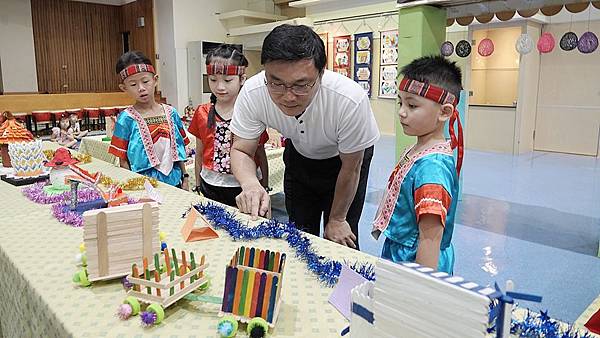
{"x": 326, "y": 269}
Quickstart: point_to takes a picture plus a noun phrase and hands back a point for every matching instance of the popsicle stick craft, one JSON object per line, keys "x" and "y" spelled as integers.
{"x": 253, "y": 281}
{"x": 171, "y": 278}
{"x": 115, "y": 237}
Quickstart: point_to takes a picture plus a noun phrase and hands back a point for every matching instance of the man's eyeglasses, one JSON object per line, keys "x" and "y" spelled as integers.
{"x": 298, "y": 90}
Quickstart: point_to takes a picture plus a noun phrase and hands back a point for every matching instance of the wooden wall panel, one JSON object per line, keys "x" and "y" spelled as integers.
{"x": 77, "y": 44}
{"x": 140, "y": 38}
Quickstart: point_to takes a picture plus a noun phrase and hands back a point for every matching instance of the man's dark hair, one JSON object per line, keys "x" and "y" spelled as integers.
{"x": 436, "y": 70}
{"x": 131, "y": 58}
{"x": 293, "y": 43}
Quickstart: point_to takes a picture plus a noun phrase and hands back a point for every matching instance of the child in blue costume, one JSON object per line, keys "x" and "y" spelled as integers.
{"x": 149, "y": 137}
{"x": 417, "y": 212}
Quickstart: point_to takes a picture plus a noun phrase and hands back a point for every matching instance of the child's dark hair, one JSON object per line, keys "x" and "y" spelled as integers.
{"x": 232, "y": 56}
{"x": 131, "y": 58}
{"x": 436, "y": 70}
{"x": 294, "y": 43}
{"x": 64, "y": 117}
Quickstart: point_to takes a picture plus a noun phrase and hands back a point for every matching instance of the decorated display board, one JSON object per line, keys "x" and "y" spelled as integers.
{"x": 363, "y": 60}
{"x": 341, "y": 55}
{"x": 388, "y": 69}
{"x": 253, "y": 281}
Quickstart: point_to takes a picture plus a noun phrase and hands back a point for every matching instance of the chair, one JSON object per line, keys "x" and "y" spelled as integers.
{"x": 42, "y": 117}
{"x": 104, "y": 112}
{"x": 56, "y": 115}
{"x": 24, "y": 118}
{"x": 91, "y": 117}
{"x": 77, "y": 111}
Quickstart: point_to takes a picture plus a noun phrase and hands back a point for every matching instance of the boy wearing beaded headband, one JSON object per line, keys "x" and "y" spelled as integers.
{"x": 149, "y": 137}
{"x": 226, "y": 69}
{"x": 416, "y": 214}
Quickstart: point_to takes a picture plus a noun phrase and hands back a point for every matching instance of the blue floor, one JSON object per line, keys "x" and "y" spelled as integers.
{"x": 534, "y": 219}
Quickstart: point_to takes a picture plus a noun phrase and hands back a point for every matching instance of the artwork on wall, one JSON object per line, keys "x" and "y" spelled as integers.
{"x": 388, "y": 69}
{"x": 341, "y": 53}
{"x": 363, "y": 61}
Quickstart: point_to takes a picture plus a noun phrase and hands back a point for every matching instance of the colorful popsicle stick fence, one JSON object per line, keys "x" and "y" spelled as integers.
{"x": 178, "y": 278}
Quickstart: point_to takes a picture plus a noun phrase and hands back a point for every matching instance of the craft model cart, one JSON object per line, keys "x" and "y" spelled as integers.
{"x": 161, "y": 289}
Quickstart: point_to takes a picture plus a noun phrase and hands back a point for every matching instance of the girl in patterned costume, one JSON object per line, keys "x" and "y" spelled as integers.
{"x": 417, "y": 212}
{"x": 226, "y": 68}
{"x": 149, "y": 137}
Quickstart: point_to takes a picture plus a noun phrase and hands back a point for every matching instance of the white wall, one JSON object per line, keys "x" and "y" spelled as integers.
{"x": 567, "y": 117}
{"x": 17, "y": 53}
{"x": 165, "y": 48}
{"x": 195, "y": 21}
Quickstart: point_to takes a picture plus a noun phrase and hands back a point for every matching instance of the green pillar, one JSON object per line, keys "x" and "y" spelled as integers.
{"x": 421, "y": 31}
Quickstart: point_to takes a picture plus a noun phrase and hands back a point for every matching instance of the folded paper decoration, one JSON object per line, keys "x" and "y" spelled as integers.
{"x": 191, "y": 234}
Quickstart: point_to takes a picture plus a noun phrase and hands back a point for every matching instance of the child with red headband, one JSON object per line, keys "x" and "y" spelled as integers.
{"x": 417, "y": 212}
{"x": 149, "y": 137}
{"x": 226, "y": 68}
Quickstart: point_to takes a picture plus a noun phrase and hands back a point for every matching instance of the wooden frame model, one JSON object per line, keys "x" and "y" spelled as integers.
{"x": 172, "y": 285}
{"x": 253, "y": 282}
{"x": 115, "y": 237}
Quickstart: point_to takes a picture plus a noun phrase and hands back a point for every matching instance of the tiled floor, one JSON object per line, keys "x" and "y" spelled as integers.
{"x": 533, "y": 218}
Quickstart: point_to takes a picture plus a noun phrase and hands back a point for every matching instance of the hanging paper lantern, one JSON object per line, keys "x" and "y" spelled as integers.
{"x": 447, "y": 48}
{"x": 568, "y": 41}
{"x": 546, "y": 43}
{"x": 486, "y": 47}
{"x": 588, "y": 42}
{"x": 463, "y": 48}
{"x": 524, "y": 44}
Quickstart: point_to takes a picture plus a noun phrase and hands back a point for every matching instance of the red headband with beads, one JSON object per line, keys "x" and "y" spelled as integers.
{"x": 440, "y": 96}
{"x": 219, "y": 68}
{"x": 134, "y": 69}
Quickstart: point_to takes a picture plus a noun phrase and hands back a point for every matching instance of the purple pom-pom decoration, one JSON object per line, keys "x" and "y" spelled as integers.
{"x": 124, "y": 311}
{"x": 148, "y": 318}
{"x": 126, "y": 283}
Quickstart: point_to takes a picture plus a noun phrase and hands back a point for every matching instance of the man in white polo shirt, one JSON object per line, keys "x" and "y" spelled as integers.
{"x": 330, "y": 131}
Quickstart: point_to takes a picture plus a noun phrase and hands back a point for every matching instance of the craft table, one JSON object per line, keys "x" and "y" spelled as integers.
{"x": 97, "y": 148}
{"x": 39, "y": 300}
{"x": 37, "y": 262}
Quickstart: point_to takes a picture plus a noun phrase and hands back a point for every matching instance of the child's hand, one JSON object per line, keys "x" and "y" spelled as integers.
{"x": 185, "y": 184}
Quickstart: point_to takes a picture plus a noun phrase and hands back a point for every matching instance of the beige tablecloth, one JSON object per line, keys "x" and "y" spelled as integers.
{"x": 97, "y": 148}
{"x": 39, "y": 300}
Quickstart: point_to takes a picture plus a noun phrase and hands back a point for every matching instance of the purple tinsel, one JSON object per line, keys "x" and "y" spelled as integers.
{"x": 326, "y": 269}
{"x": 148, "y": 318}
{"x": 36, "y": 193}
{"x": 63, "y": 213}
